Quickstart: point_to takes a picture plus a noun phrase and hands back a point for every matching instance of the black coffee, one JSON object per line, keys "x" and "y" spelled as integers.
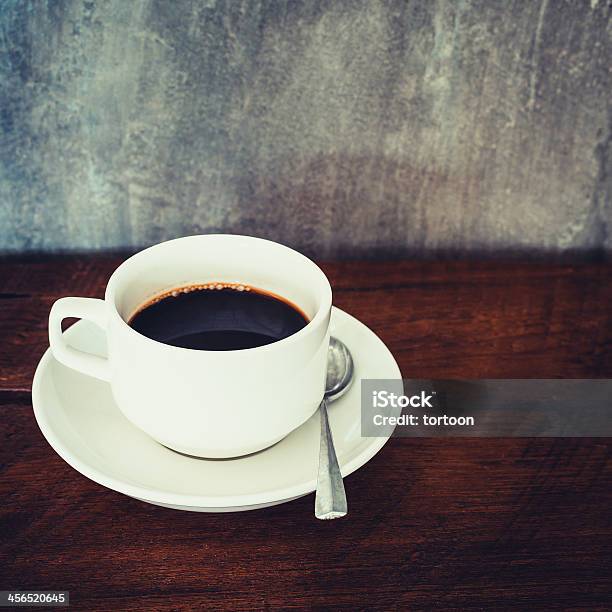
{"x": 212, "y": 319}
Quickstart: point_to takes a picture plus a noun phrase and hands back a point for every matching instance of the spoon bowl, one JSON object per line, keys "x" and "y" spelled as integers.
{"x": 339, "y": 370}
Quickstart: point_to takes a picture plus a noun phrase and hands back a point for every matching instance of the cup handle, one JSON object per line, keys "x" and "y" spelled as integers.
{"x": 91, "y": 309}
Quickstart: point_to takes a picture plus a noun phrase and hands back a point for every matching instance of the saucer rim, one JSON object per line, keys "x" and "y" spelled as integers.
{"x": 154, "y": 495}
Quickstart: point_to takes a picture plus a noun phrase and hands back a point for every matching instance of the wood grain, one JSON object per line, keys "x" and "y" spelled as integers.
{"x": 479, "y": 320}
{"x": 496, "y": 524}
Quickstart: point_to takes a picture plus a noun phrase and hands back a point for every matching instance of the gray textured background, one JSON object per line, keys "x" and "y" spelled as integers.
{"x": 341, "y": 128}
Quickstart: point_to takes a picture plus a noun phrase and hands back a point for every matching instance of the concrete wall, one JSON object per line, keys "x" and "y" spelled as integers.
{"x": 342, "y": 128}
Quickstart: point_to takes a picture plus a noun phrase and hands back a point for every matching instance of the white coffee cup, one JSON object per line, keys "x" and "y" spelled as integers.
{"x": 207, "y": 403}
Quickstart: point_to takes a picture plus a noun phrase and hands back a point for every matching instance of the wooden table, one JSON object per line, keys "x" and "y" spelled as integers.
{"x": 483, "y": 524}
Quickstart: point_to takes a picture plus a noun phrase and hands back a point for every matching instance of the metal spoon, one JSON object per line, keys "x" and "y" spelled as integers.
{"x": 330, "y": 498}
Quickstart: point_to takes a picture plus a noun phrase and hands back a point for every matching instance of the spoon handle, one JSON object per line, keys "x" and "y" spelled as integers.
{"x": 330, "y": 498}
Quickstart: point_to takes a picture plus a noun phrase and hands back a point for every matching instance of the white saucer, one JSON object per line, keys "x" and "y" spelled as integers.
{"x": 79, "y": 419}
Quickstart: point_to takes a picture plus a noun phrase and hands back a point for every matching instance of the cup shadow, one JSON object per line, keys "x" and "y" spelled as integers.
{"x": 221, "y": 459}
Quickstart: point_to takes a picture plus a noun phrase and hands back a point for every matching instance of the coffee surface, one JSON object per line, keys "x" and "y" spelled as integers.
{"x": 214, "y": 319}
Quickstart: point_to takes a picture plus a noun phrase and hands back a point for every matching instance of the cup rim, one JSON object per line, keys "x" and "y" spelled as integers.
{"x": 322, "y": 312}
